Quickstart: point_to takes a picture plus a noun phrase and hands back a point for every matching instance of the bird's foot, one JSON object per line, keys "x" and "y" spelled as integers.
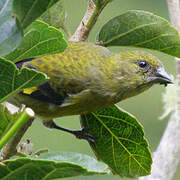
{"x": 82, "y": 134}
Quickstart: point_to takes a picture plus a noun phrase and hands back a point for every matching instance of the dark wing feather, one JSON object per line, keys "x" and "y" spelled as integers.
{"x": 44, "y": 92}
{"x": 19, "y": 64}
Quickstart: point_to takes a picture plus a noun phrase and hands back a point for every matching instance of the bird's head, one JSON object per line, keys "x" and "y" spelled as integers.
{"x": 141, "y": 70}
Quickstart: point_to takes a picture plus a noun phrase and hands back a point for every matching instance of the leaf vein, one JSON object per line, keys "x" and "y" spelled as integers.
{"x": 127, "y": 32}
{"x": 140, "y": 165}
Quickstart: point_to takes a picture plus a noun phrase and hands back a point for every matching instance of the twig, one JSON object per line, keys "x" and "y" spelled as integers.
{"x": 167, "y": 156}
{"x": 10, "y": 149}
{"x": 88, "y": 21}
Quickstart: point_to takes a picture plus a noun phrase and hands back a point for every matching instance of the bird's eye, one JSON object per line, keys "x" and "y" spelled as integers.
{"x": 142, "y": 64}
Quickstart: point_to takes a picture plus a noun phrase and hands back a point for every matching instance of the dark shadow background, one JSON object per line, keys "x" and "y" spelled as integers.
{"x": 147, "y": 107}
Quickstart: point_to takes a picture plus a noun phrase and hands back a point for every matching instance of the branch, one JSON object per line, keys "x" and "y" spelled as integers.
{"x": 10, "y": 149}
{"x": 167, "y": 156}
{"x": 88, "y": 21}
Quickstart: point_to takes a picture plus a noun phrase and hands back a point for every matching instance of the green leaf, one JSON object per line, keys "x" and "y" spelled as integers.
{"x": 28, "y": 11}
{"x": 141, "y": 29}
{"x": 26, "y": 168}
{"x": 12, "y": 80}
{"x": 55, "y": 16}
{"x": 6, "y": 120}
{"x": 83, "y": 160}
{"x": 119, "y": 141}
{"x": 11, "y": 33}
{"x": 40, "y": 39}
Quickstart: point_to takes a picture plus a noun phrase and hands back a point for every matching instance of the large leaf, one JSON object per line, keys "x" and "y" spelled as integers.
{"x": 55, "y": 16}
{"x": 40, "y": 39}
{"x": 12, "y": 80}
{"x": 29, "y": 169}
{"x": 141, "y": 29}
{"x": 119, "y": 141}
{"x": 83, "y": 160}
{"x": 27, "y": 11}
{"x": 10, "y": 31}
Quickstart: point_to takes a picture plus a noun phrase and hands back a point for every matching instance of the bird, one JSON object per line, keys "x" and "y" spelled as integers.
{"x": 85, "y": 78}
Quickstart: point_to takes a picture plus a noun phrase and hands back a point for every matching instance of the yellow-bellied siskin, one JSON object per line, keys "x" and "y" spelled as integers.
{"x": 86, "y": 78}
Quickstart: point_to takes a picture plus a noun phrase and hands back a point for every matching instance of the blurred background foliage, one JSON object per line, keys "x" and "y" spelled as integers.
{"x": 147, "y": 107}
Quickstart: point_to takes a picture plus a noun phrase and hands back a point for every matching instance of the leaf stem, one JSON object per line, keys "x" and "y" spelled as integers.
{"x": 21, "y": 154}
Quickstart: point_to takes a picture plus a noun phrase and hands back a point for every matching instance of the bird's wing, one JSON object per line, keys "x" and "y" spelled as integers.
{"x": 79, "y": 98}
{"x": 70, "y": 73}
{"x": 46, "y": 94}
{"x": 65, "y": 92}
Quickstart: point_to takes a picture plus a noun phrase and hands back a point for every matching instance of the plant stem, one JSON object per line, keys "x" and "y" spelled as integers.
{"x": 167, "y": 156}
{"x": 88, "y": 21}
{"x": 15, "y": 133}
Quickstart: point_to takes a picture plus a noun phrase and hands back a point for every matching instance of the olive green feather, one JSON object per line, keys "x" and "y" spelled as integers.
{"x": 85, "y": 78}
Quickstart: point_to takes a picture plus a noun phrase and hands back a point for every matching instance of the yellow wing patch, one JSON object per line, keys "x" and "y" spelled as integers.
{"x": 30, "y": 90}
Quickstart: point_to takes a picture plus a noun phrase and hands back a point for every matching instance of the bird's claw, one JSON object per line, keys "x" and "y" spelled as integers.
{"x": 82, "y": 134}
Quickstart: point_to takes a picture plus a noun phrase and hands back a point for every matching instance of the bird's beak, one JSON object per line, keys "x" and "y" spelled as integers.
{"x": 162, "y": 77}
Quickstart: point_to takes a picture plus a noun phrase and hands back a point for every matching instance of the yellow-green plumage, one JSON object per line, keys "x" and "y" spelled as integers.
{"x": 87, "y": 77}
